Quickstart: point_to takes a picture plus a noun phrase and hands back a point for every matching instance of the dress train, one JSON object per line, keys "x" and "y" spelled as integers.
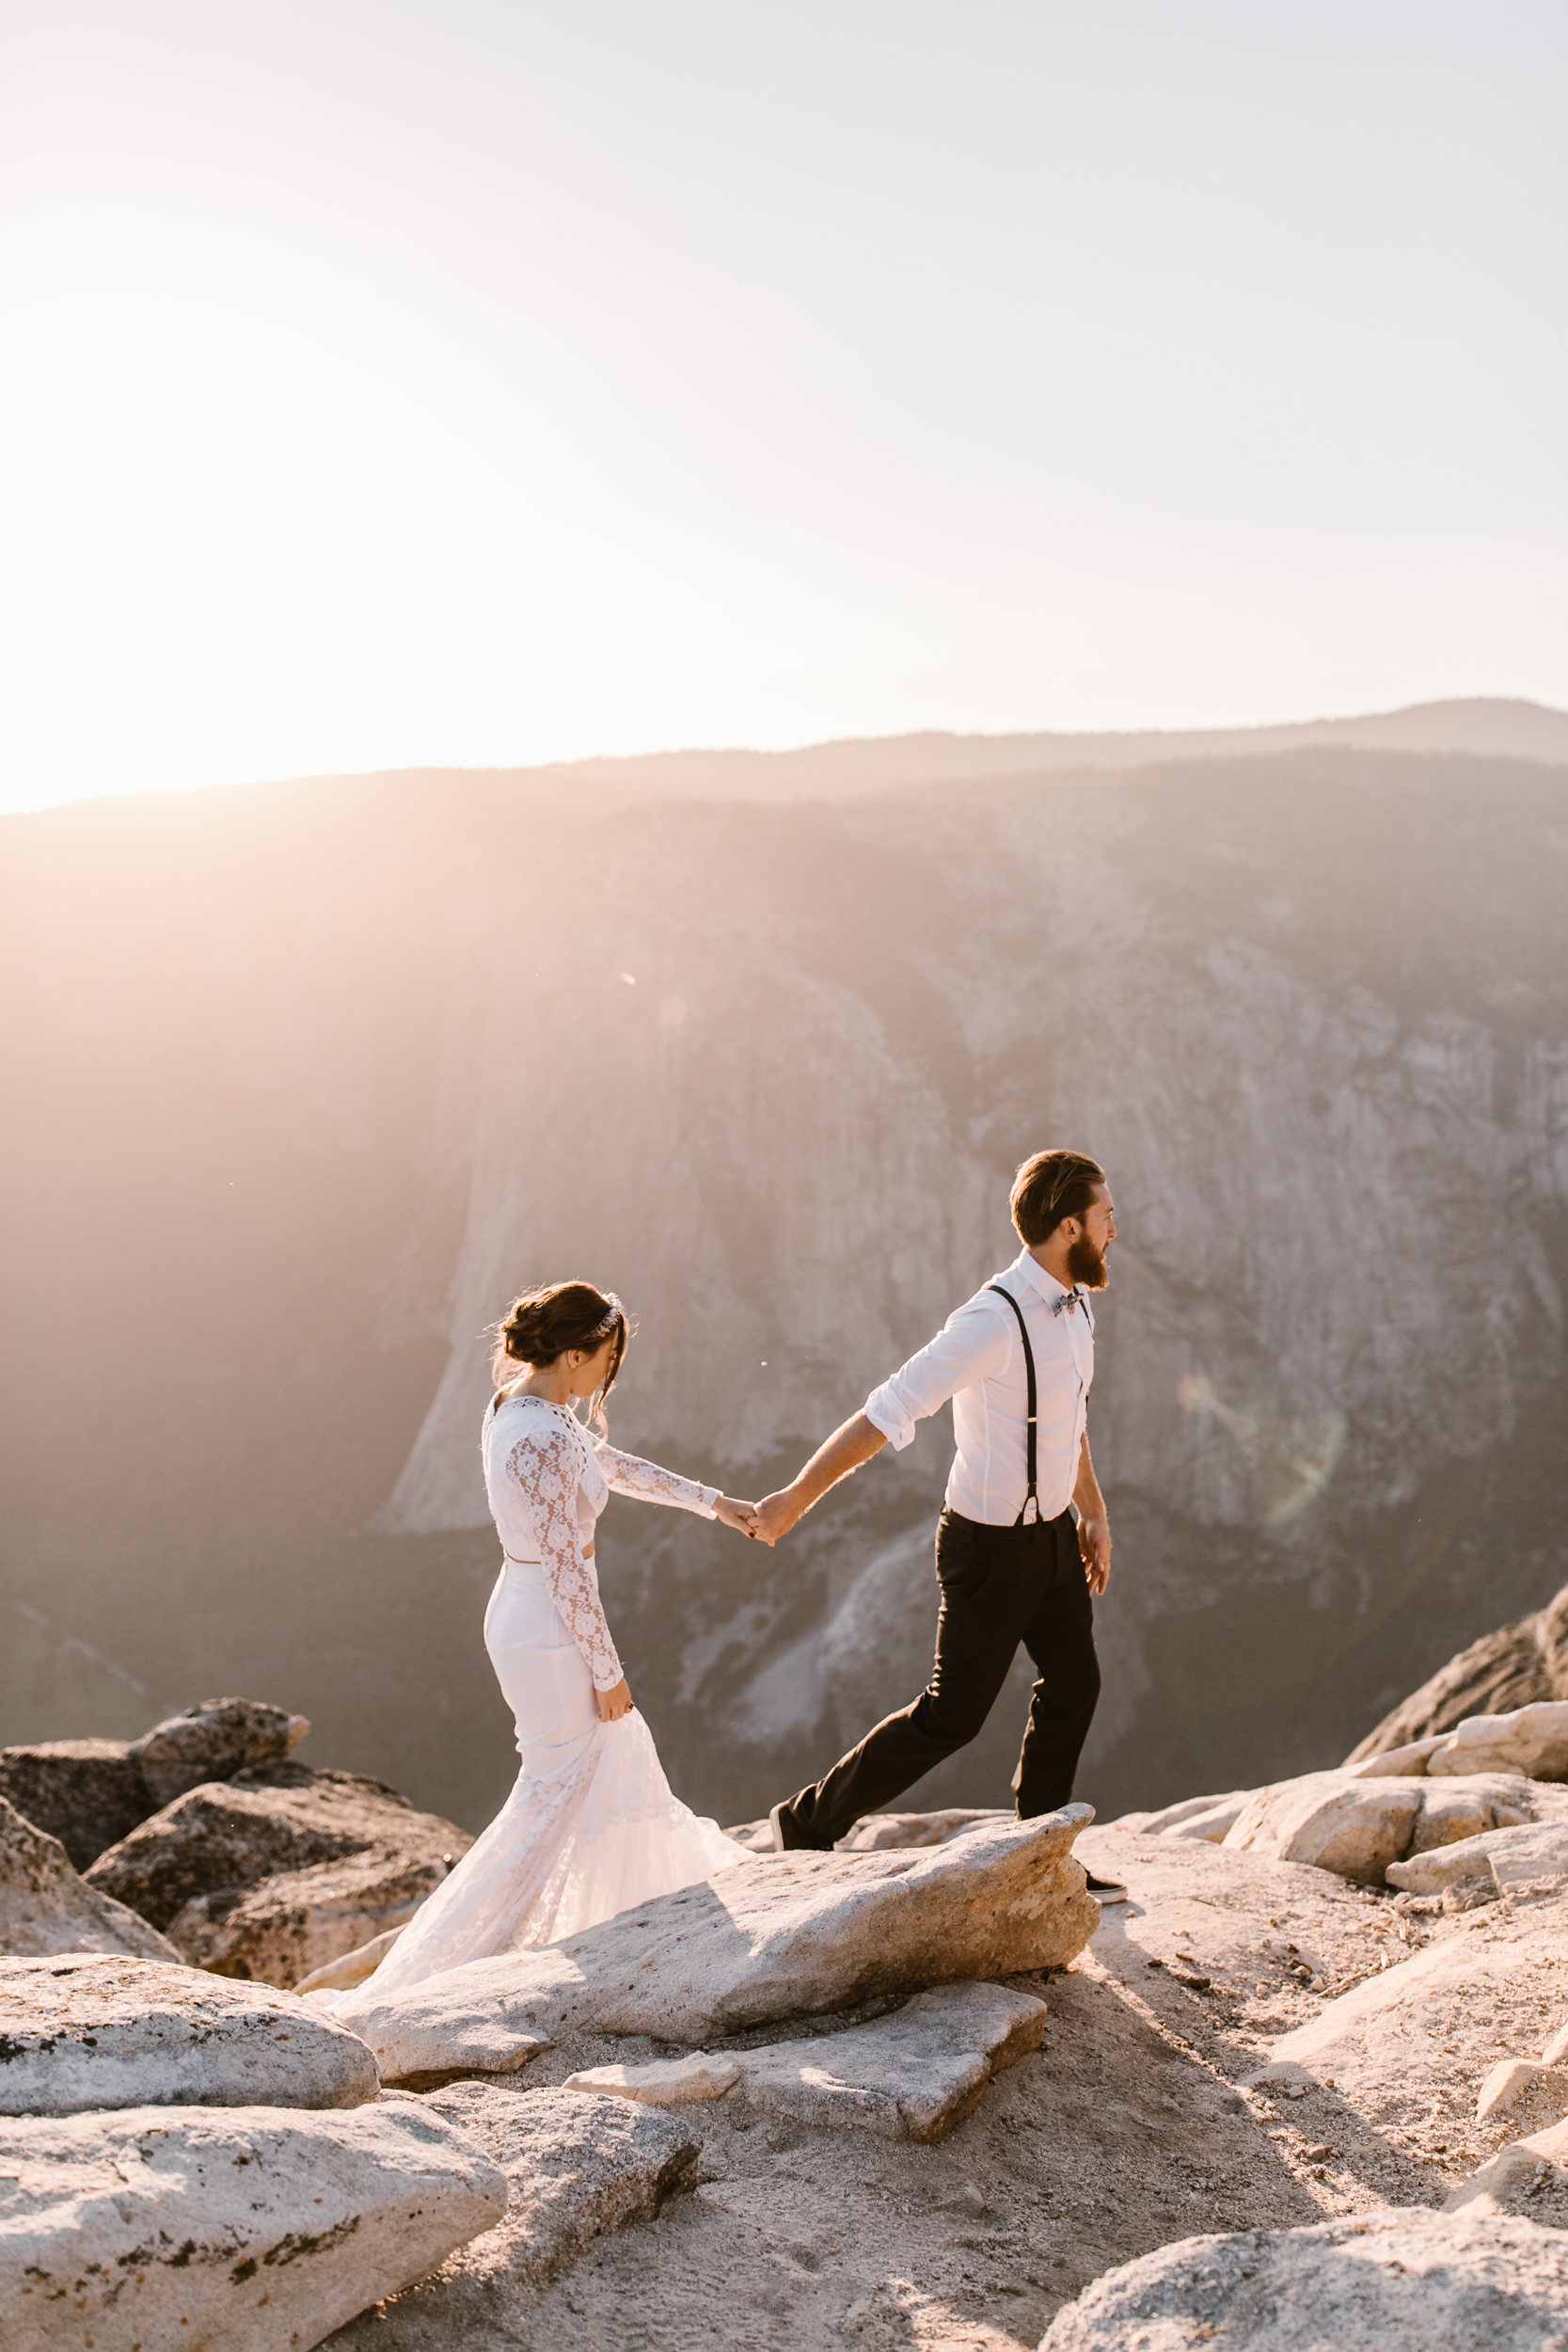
{"x": 592, "y": 1826}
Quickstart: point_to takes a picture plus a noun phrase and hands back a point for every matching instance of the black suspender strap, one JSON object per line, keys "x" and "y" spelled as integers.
{"x": 1029, "y": 1374}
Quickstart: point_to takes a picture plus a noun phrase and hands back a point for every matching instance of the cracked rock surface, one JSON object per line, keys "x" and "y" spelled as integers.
{"x": 248, "y": 2228}
{"x": 578, "y": 2164}
{"x": 80, "y": 2031}
{"x": 1399, "y": 2282}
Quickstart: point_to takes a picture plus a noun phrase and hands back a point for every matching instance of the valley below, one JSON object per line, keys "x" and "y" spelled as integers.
{"x": 306, "y": 1080}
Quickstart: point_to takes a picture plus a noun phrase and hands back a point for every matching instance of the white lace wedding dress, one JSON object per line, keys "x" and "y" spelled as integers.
{"x": 592, "y": 1826}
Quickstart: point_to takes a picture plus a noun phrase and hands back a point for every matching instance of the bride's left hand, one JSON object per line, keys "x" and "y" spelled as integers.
{"x": 742, "y": 1517}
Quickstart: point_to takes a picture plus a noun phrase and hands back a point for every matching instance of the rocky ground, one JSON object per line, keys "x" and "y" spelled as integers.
{"x": 1339, "y": 2006}
{"x": 1133, "y": 2125}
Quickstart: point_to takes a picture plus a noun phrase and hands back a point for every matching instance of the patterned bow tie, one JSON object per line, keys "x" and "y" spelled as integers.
{"x": 1068, "y": 1300}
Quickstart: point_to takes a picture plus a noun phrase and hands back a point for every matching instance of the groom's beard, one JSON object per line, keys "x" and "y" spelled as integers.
{"x": 1086, "y": 1264}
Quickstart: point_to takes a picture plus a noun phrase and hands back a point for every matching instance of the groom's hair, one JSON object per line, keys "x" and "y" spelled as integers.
{"x": 1049, "y": 1186}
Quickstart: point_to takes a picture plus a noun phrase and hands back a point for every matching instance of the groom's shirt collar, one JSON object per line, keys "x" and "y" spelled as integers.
{"x": 1029, "y": 1266}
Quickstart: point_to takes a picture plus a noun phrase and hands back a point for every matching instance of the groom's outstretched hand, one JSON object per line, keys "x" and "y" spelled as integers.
{"x": 776, "y": 1515}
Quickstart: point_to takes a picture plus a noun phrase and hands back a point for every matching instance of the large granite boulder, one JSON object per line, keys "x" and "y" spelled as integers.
{"x": 213, "y": 1741}
{"x": 1203, "y": 1818}
{"x": 1390, "y": 2282}
{"x": 84, "y": 2031}
{"x": 275, "y": 1873}
{"x": 576, "y": 2167}
{"x": 1357, "y": 1827}
{"x": 88, "y": 1793}
{"x": 770, "y": 1939}
{"x": 248, "y": 2228}
{"x": 1496, "y": 1859}
{"x": 910, "y": 2076}
{"x": 45, "y": 1907}
{"x": 1530, "y": 1740}
{"x": 1517, "y": 1666}
{"x": 1358, "y": 1819}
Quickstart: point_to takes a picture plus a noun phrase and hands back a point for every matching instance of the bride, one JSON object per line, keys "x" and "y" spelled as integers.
{"x": 592, "y": 1826}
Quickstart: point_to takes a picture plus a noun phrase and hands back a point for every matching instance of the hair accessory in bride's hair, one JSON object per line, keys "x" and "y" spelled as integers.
{"x": 542, "y": 1324}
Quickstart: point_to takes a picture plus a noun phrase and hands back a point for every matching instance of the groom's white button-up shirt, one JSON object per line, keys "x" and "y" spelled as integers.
{"x": 976, "y": 1359}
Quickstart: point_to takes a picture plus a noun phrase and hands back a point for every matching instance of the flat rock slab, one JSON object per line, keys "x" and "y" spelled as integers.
{"x": 79, "y": 2032}
{"x": 278, "y": 1871}
{"x": 241, "y": 2227}
{"x": 1207, "y": 1818}
{"x": 874, "y": 1833}
{"x": 663, "y": 2082}
{"x": 801, "y": 1934}
{"x": 1404, "y": 2282}
{"x": 351, "y": 1968}
{"x": 45, "y": 1907}
{"x": 578, "y": 2166}
{"x": 911, "y": 2076}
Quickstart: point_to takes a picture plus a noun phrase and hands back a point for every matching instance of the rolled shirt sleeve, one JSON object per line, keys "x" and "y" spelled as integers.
{"x": 972, "y": 1345}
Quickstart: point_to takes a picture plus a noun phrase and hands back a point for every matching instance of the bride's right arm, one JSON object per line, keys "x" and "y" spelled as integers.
{"x": 544, "y": 1467}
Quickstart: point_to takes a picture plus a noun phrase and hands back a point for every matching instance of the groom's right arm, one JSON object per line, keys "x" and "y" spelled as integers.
{"x": 972, "y": 1346}
{"x": 844, "y": 1451}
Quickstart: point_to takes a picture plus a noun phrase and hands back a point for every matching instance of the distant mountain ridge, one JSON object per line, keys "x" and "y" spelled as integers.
{"x": 1492, "y": 727}
{"x": 303, "y": 1079}
{"x": 1479, "y": 727}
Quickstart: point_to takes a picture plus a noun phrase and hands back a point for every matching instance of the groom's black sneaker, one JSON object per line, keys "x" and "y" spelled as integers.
{"x": 1104, "y": 1890}
{"x": 789, "y": 1838}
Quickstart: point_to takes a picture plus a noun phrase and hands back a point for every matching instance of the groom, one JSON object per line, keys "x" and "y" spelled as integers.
{"x": 1013, "y": 1566}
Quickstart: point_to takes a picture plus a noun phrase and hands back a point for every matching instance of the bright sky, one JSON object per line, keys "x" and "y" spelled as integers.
{"x": 403, "y": 381}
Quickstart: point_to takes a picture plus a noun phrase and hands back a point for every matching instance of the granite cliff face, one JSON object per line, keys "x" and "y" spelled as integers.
{"x": 311, "y": 1078}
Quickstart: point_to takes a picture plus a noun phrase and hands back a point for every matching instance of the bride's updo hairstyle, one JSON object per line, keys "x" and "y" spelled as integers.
{"x": 540, "y": 1326}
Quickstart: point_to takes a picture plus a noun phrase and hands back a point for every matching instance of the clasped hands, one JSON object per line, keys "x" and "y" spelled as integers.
{"x": 764, "y": 1521}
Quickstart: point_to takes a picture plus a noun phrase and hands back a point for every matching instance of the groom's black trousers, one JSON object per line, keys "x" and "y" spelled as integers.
{"x": 1000, "y": 1586}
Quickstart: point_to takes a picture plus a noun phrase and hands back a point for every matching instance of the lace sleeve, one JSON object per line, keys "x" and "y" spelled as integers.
{"x": 544, "y": 1467}
{"x": 629, "y": 1474}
